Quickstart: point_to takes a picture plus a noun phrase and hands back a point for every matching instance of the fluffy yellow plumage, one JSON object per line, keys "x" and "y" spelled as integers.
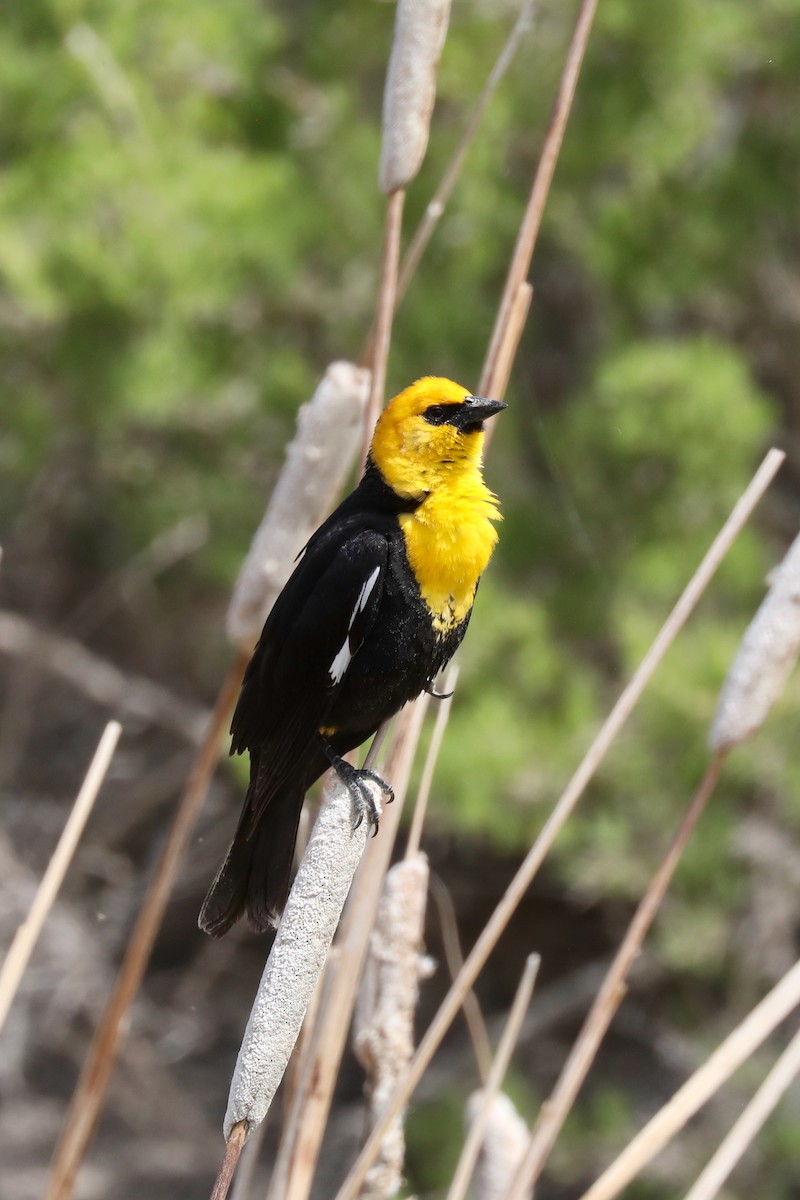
{"x": 450, "y": 536}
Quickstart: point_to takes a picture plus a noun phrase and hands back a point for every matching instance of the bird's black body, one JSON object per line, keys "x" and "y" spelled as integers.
{"x": 377, "y": 604}
{"x": 291, "y": 699}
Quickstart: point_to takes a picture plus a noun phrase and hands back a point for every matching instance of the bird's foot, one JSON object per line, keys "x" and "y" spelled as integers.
{"x": 356, "y": 780}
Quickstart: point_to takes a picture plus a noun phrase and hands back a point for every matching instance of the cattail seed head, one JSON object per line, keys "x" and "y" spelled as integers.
{"x": 504, "y": 1144}
{"x": 768, "y": 651}
{"x": 384, "y": 1019}
{"x": 419, "y": 33}
{"x": 318, "y": 462}
{"x": 297, "y": 957}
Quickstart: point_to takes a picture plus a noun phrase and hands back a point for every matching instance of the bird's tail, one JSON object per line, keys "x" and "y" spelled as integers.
{"x": 253, "y": 881}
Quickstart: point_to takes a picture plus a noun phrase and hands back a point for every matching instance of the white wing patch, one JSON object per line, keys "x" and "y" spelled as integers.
{"x": 364, "y": 595}
{"x": 342, "y": 660}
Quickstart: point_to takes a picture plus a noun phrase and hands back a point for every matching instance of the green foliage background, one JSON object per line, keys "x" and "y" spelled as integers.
{"x": 189, "y": 231}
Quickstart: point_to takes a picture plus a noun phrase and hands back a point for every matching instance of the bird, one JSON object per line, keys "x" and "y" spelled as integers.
{"x": 378, "y": 603}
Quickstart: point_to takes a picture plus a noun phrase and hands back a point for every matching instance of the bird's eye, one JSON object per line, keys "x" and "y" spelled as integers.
{"x": 440, "y": 414}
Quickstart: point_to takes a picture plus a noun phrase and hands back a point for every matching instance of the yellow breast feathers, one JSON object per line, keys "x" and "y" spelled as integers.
{"x": 449, "y": 541}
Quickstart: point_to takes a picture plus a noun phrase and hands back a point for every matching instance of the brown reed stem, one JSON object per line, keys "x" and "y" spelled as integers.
{"x": 449, "y": 924}
{"x": 531, "y": 221}
{"x": 22, "y": 946}
{"x": 608, "y": 999}
{"x": 737, "y": 1047}
{"x": 90, "y": 1091}
{"x": 233, "y": 1150}
{"x": 454, "y": 957}
{"x": 424, "y": 790}
{"x": 748, "y": 1124}
{"x": 248, "y": 1163}
{"x": 497, "y": 383}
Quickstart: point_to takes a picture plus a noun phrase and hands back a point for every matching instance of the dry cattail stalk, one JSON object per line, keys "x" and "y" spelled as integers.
{"x": 438, "y": 202}
{"x": 768, "y": 651}
{"x": 507, "y": 349}
{"x": 297, "y": 957}
{"x": 753, "y": 684}
{"x": 563, "y": 809}
{"x": 318, "y": 462}
{"x": 21, "y": 948}
{"x": 248, "y": 1164}
{"x": 748, "y": 1124}
{"x": 504, "y": 1141}
{"x": 87, "y": 1099}
{"x": 532, "y": 218}
{"x": 424, "y": 791}
{"x": 481, "y": 1110}
{"x": 304, "y": 1128}
{"x": 383, "y": 1037}
{"x": 419, "y": 33}
{"x": 454, "y": 957}
{"x": 233, "y": 1151}
{"x": 555, "y": 1110}
{"x": 707, "y": 1079}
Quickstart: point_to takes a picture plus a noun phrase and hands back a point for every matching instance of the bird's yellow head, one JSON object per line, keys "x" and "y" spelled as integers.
{"x": 430, "y": 433}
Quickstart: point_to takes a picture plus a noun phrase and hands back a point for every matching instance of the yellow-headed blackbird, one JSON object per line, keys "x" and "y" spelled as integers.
{"x": 377, "y": 604}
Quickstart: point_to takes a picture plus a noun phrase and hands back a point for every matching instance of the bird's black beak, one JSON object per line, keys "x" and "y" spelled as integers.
{"x": 474, "y": 410}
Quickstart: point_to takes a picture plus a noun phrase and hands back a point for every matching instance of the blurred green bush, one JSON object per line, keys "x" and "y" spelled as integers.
{"x": 189, "y": 228}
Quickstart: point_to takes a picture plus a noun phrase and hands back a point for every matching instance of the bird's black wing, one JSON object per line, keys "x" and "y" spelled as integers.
{"x": 317, "y": 624}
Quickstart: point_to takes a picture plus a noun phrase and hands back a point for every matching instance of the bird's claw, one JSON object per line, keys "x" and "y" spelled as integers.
{"x": 385, "y": 787}
{"x": 356, "y": 780}
{"x": 438, "y": 695}
{"x": 363, "y": 799}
